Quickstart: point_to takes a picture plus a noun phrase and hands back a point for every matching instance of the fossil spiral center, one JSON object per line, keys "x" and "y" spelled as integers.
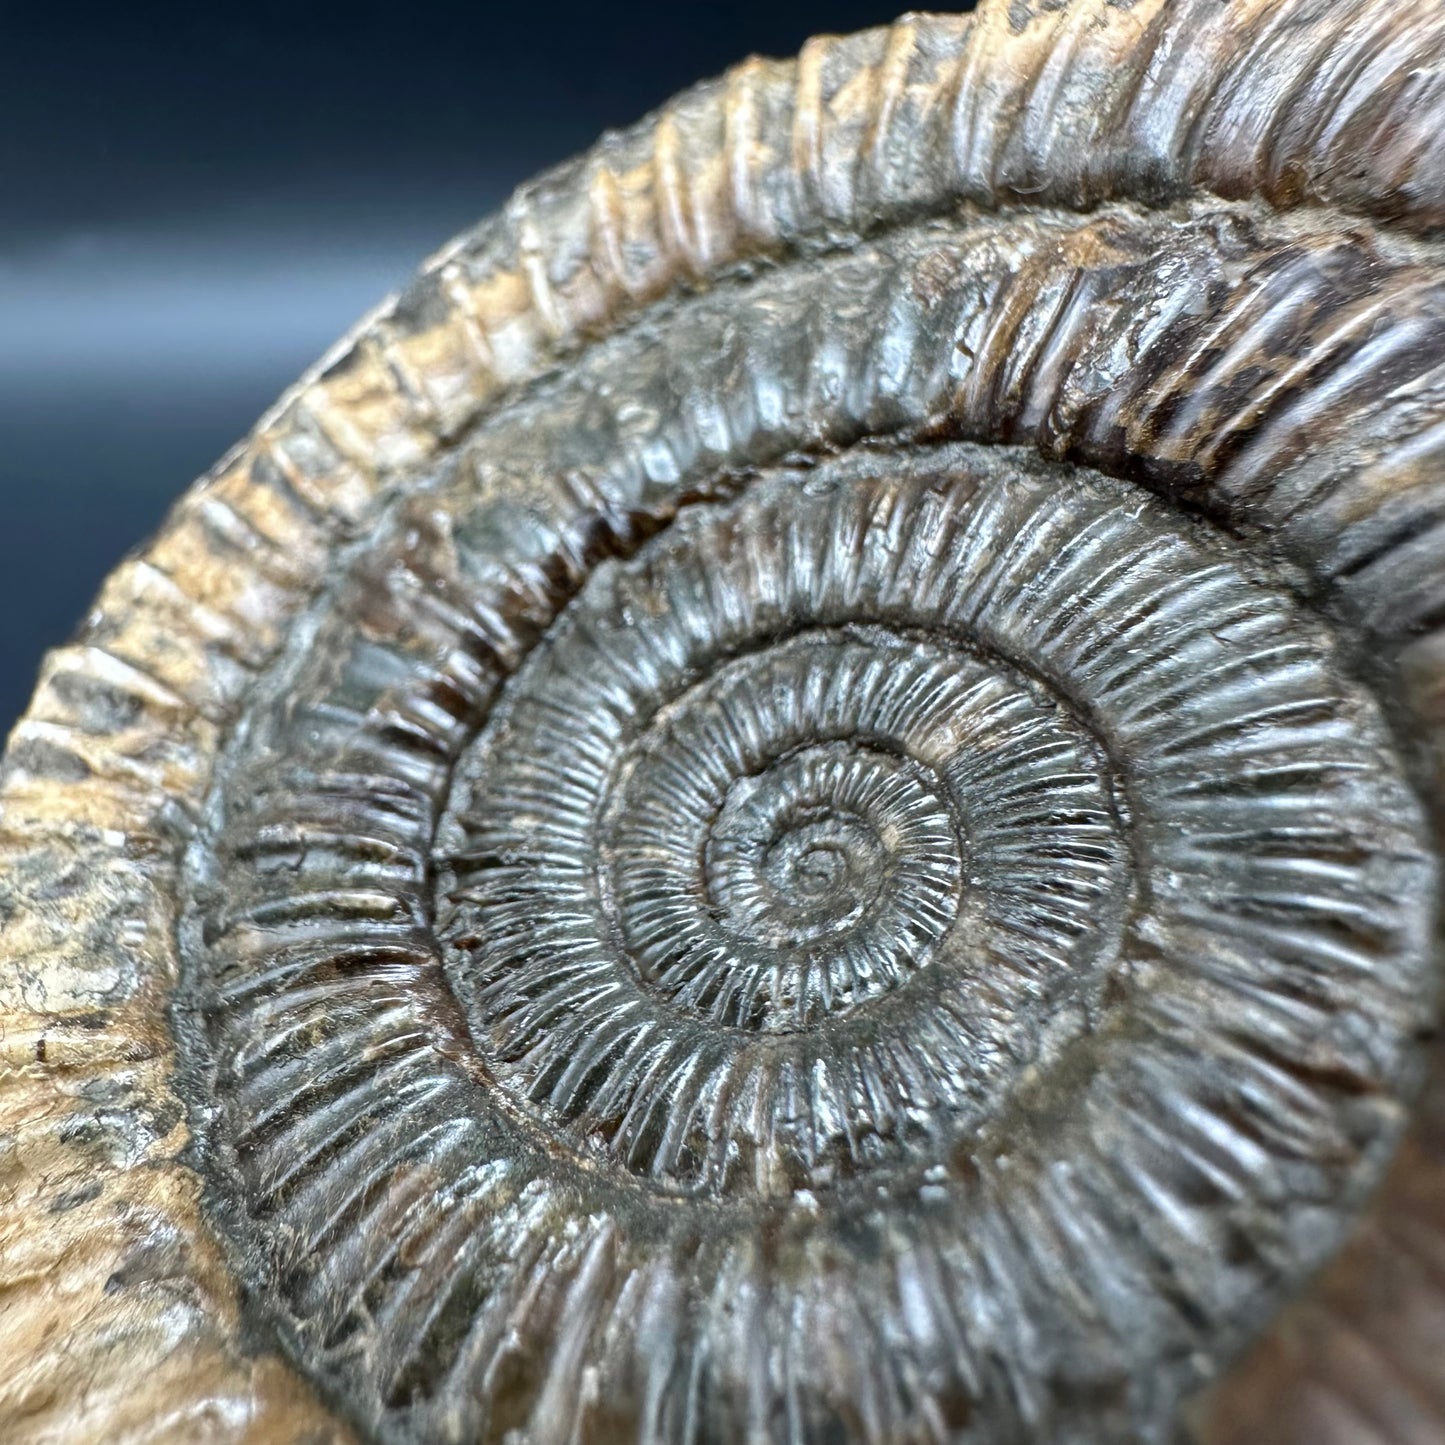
{"x": 807, "y": 849}
{"x": 792, "y": 879}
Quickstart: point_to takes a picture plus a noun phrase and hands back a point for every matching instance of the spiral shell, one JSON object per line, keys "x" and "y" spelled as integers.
{"x": 796, "y": 800}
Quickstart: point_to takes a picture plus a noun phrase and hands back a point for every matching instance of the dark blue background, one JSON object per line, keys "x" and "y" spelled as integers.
{"x": 195, "y": 200}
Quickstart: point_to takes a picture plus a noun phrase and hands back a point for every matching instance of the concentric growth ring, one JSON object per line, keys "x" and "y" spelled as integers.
{"x": 755, "y": 780}
{"x": 786, "y": 760}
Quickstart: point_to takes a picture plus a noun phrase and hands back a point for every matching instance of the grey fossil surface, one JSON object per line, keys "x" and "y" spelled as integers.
{"x": 797, "y": 799}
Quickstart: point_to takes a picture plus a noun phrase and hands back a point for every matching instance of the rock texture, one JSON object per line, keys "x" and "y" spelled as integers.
{"x": 796, "y": 799}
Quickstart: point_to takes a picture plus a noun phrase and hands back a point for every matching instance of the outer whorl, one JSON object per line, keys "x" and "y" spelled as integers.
{"x": 795, "y": 800}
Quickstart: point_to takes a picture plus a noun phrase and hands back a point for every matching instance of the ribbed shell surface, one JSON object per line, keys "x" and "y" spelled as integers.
{"x": 796, "y": 799}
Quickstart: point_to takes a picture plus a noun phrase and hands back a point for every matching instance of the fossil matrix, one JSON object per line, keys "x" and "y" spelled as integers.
{"x": 794, "y": 801}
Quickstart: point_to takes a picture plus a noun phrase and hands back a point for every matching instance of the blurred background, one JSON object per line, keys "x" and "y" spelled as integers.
{"x": 197, "y": 199}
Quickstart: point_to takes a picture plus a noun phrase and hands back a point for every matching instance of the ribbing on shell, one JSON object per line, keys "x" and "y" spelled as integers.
{"x": 581, "y": 751}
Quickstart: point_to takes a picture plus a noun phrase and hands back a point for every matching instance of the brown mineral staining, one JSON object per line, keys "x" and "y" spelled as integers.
{"x": 847, "y": 851}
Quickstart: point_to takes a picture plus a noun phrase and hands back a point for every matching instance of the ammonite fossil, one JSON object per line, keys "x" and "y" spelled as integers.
{"x": 794, "y": 801}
